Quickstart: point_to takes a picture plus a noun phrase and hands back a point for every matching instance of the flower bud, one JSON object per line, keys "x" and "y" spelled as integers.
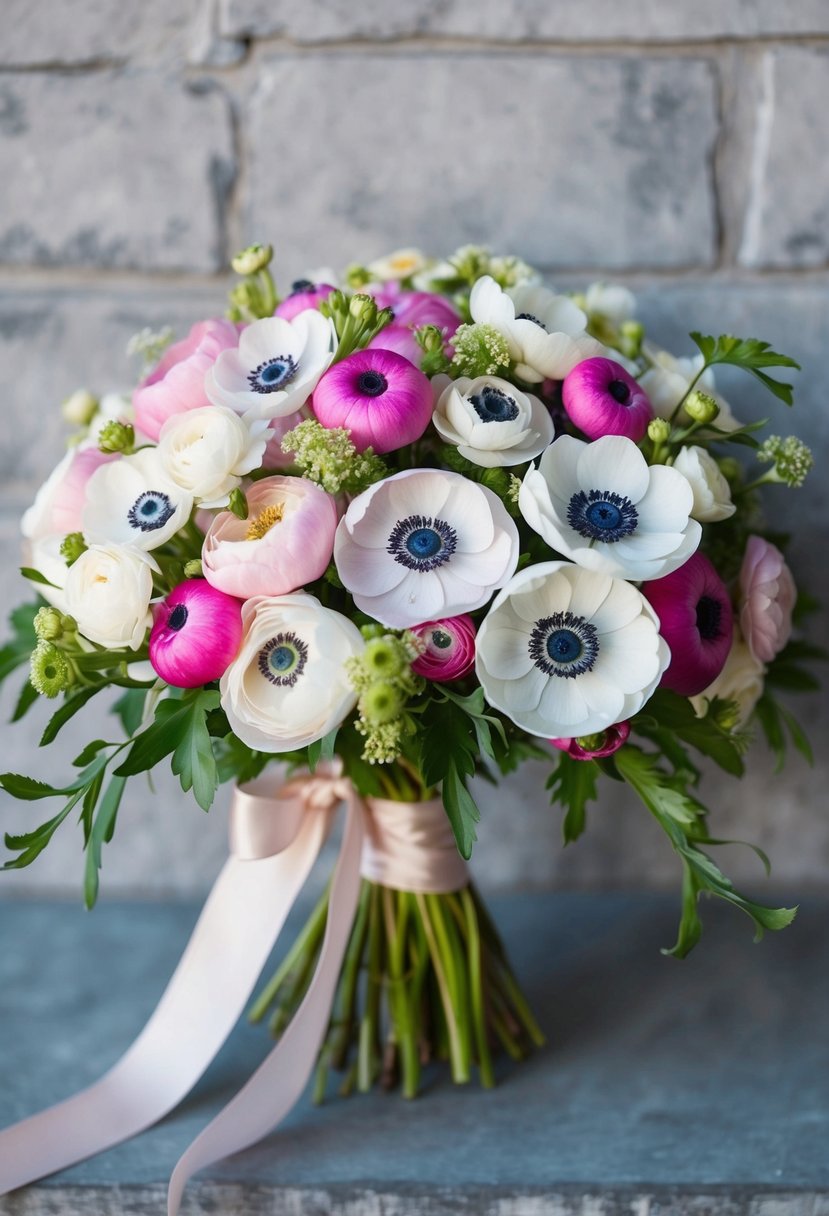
{"x": 658, "y": 430}
{"x": 381, "y": 702}
{"x": 72, "y": 546}
{"x": 631, "y": 334}
{"x": 701, "y": 407}
{"x": 80, "y": 407}
{"x": 47, "y": 625}
{"x": 363, "y": 309}
{"x": 252, "y": 259}
{"x": 383, "y": 658}
{"x": 193, "y": 569}
{"x": 116, "y": 436}
{"x": 357, "y": 276}
{"x": 50, "y": 673}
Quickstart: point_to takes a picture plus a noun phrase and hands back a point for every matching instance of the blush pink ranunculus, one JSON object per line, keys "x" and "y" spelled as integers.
{"x": 767, "y": 595}
{"x": 58, "y": 507}
{"x": 285, "y": 543}
{"x": 176, "y": 384}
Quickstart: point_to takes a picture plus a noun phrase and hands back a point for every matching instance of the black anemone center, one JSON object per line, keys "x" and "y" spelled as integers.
{"x": 301, "y": 285}
{"x": 709, "y": 616}
{"x": 372, "y": 383}
{"x": 178, "y": 617}
{"x": 619, "y": 391}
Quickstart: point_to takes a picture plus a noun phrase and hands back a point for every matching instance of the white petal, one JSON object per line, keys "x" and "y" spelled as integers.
{"x": 526, "y": 693}
{"x": 489, "y": 304}
{"x": 563, "y": 705}
{"x": 369, "y": 571}
{"x": 667, "y": 503}
{"x": 267, "y": 338}
{"x": 505, "y": 652}
{"x": 613, "y": 463}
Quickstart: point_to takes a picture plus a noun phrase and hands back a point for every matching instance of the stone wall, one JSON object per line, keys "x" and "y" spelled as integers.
{"x": 682, "y": 149}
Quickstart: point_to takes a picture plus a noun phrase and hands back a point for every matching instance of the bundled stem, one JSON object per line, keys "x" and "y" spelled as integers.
{"x": 424, "y": 977}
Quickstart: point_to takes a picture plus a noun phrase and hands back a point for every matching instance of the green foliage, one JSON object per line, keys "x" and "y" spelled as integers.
{"x": 179, "y": 729}
{"x": 682, "y": 819}
{"x": 670, "y": 719}
{"x": 573, "y": 784}
{"x": 454, "y": 728}
{"x": 18, "y": 649}
{"x": 749, "y": 354}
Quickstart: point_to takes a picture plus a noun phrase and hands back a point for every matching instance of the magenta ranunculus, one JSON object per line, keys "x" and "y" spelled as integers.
{"x": 696, "y": 620}
{"x": 416, "y": 308}
{"x": 381, "y": 399}
{"x": 450, "y": 648}
{"x": 768, "y": 594}
{"x": 286, "y": 541}
{"x": 601, "y": 398}
{"x": 588, "y": 748}
{"x": 304, "y": 294}
{"x": 177, "y": 383}
{"x": 196, "y": 634}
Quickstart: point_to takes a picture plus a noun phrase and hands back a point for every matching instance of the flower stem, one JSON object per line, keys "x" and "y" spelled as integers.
{"x": 308, "y": 938}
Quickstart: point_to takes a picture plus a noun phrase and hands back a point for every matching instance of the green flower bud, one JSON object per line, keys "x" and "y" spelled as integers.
{"x": 48, "y": 625}
{"x": 50, "y": 673}
{"x": 193, "y": 568}
{"x": 631, "y": 334}
{"x": 252, "y": 259}
{"x": 72, "y": 546}
{"x": 117, "y": 437}
{"x": 383, "y": 658}
{"x": 238, "y": 504}
{"x": 701, "y": 407}
{"x": 592, "y": 743}
{"x": 658, "y": 430}
{"x": 80, "y": 407}
{"x": 380, "y": 703}
{"x": 357, "y": 276}
{"x": 431, "y": 341}
{"x": 363, "y": 309}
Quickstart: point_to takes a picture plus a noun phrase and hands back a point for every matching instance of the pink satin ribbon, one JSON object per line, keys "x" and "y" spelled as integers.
{"x": 276, "y": 833}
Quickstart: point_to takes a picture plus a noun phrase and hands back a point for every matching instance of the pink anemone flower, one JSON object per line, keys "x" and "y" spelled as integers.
{"x": 381, "y": 399}
{"x": 601, "y": 398}
{"x": 696, "y": 620}
{"x": 196, "y": 634}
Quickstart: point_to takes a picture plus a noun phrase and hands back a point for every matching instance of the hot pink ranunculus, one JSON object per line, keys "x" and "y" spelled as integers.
{"x": 304, "y": 294}
{"x": 286, "y": 541}
{"x": 195, "y": 635}
{"x": 450, "y": 648}
{"x": 611, "y": 740}
{"x": 58, "y": 507}
{"x": 768, "y": 594}
{"x": 177, "y": 383}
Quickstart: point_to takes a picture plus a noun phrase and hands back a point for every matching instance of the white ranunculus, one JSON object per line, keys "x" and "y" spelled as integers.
{"x": 108, "y": 592}
{"x": 288, "y": 685}
{"x": 604, "y": 507}
{"x": 400, "y": 264}
{"x": 546, "y": 333}
{"x": 712, "y": 496}
{"x": 424, "y": 544}
{"x": 134, "y": 502}
{"x": 610, "y": 300}
{"x": 668, "y": 379}
{"x": 207, "y": 451}
{"x": 275, "y": 367}
{"x": 566, "y": 652}
{"x": 741, "y": 681}
{"x": 490, "y": 421}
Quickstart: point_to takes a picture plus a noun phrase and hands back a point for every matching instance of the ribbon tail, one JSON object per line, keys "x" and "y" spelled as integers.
{"x": 278, "y": 1083}
{"x": 209, "y": 989}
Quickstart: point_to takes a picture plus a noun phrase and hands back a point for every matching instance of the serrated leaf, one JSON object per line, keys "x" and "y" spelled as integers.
{"x": 751, "y": 355}
{"x": 27, "y": 788}
{"x": 90, "y": 752}
{"x": 67, "y": 710}
{"x": 129, "y": 709}
{"x": 26, "y": 699}
{"x": 462, "y": 811}
{"x": 573, "y": 784}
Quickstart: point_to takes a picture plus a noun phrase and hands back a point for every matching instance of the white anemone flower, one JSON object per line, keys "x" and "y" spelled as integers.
{"x": 401, "y": 264}
{"x": 490, "y": 421}
{"x": 545, "y": 332}
{"x": 275, "y": 367}
{"x": 207, "y": 451}
{"x": 566, "y": 652}
{"x": 134, "y": 502}
{"x": 288, "y": 685}
{"x": 668, "y": 379}
{"x": 604, "y": 507}
{"x": 424, "y": 544}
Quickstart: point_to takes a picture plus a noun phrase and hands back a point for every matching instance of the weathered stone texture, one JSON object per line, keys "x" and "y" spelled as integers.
{"x": 554, "y": 20}
{"x": 36, "y": 32}
{"x": 787, "y": 219}
{"x": 574, "y": 162}
{"x": 116, "y": 169}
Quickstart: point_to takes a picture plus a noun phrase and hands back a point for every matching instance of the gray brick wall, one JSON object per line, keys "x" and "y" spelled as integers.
{"x": 680, "y": 148}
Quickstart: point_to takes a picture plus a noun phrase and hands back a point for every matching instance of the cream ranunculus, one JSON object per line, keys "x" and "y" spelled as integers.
{"x": 712, "y": 496}
{"x": 740, "y": 681}
{"x": 108, "y": 592}
{"x": 207, "y": 451}
{"x": 490, "y": 421}
{"x": 288, "y": 685}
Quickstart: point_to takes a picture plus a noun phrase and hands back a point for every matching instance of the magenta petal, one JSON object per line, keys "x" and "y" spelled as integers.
{"x": 697, "y": 622}
{"x": 196, "y": 634}
{"x": 601, "y": 398}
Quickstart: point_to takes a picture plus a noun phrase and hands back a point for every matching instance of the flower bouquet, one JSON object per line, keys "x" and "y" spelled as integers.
{"x": 394, "y": 534}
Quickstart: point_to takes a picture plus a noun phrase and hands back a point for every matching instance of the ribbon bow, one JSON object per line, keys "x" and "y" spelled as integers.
{"x": 276, "y": 833}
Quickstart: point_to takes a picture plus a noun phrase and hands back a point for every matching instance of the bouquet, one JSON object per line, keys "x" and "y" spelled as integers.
{"x": 396, "y": 533}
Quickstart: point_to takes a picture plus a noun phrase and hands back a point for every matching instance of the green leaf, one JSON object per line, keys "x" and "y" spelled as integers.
{"x": 25, "y": 701}
{"x": 68, "y": 709}
{"x": 89, "y": 753}
{"x": 767, "y": 714}
{"x": 193, "y": 760}
{"x": 446, "y": 742}
{"x": 159, "y": 739}
{"x": 26, "y": 788}
{"x": 749, "y": 354}
{"x": 101, "y": 834}
{"x": 461, "y": 809}
{"x": 129, "y": 709}
{"x": 675, "y": 716}
{"x": 34, "y": 576}
{"x": 573, "y": 784}
{"x": 18, "y": 650}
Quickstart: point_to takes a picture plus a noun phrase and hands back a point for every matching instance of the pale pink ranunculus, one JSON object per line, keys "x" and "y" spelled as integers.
{"x": 285, "y": 543}
{"x": 767, "y": 597}
{"x": 176, "y": 384}
{"x": 58, "y": 506}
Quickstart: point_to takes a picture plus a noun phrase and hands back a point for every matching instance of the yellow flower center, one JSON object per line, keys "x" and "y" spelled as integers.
{"x": 261, "y": 524}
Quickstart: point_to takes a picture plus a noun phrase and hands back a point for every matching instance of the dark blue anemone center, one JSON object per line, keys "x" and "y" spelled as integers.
{"x": 151, "y": 510}
{"x": 372, "y": 383}
{"x": 422, "y": 543}
{"x": 564, "y": 645}
{"x": 282, "y": 659}
{"x": 530, "y": 316}
{"x": 300, "y": 286}
{"x": 602, "y": 515}
{"x": 441, "y": 639}
{"x": 493, "y": 405}
{"x": 273, "y": 374}
{"x": 178, "y": 617}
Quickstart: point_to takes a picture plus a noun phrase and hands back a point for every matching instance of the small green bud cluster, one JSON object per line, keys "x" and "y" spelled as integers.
{"x": 357, "y": 276}
{"x": 431, "y": 341}
{"x": 480, "y": 350}
{"x": 701, "y": 407}
{"x": 514, "y": 489}
{"x": 149, "y": 345}
{"x": 255, "y": 297}
{"x": 329, "y": 458}
{"x": 53, "y": 626}
{"x": 49, "y": 671}
{"x": 117, "y": 436}
{"x": 357, "y": 320}
{"x": 253, "y": 259}
{"x": 791, "y": 458}
{"x": 658, "y": 430}
{"x": 383, "y": 678}
{"x": 72, "y": 546}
